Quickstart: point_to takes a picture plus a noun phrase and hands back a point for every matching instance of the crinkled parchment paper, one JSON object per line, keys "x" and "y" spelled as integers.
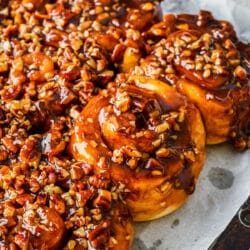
{"x": 224, "y": 183}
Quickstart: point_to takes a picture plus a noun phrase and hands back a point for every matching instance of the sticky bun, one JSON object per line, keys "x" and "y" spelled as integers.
{"x": 205, "y": 61}
{"x": 62, "y": 205}
{"x": 149, "y": 137}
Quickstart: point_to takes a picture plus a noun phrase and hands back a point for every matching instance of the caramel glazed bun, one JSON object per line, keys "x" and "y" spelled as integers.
{"x": 82, "y": 211}
{"x": 148, "y": 137}
{"x": 206, "y": 62}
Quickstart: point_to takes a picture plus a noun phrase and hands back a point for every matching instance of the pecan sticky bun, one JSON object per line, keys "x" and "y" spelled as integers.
{"x": 149, "y": 137}
{"x": 204, "y": 59}
{"x": 62, "y": 205}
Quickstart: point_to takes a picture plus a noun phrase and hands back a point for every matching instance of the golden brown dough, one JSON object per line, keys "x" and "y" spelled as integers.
{"x": 150, "y": 140}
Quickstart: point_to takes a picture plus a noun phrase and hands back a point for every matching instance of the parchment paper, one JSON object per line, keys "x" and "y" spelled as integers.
{"x": 224, "y": 183}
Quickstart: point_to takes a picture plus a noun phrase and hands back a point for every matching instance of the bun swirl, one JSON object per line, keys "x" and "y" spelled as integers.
{"x": 149, "y": 138}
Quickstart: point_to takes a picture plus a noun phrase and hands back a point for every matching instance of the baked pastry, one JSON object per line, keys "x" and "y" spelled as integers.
{"x": 77, "y": 43}
{"x": 205, "y": 61}
{"x": 148, "y": 137}
{"x": 62, "y": 206}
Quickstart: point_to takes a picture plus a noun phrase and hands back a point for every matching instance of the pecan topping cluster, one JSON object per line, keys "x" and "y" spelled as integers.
{"x": 39, "y": 204}
{"x": 148, "y": 132}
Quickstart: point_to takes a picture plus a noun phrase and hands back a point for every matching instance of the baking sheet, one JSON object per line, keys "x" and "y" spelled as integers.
{"x": 224, "y": 183}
